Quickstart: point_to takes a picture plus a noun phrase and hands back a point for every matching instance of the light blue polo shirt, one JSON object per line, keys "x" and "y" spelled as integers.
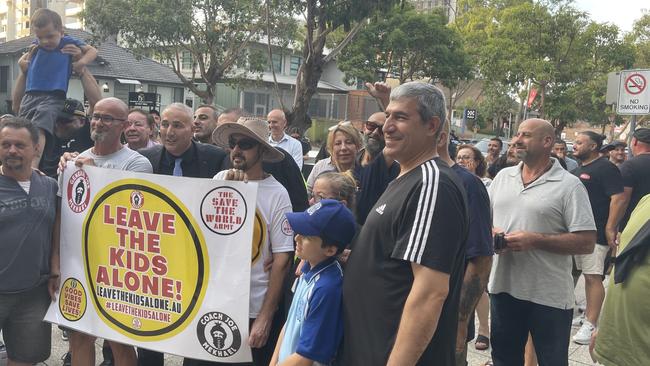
{"x": 314, "y": 326}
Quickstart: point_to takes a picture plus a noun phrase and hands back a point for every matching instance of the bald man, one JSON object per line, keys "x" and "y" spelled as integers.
{"x": 545, "y": 216}
{"x": 279, "y": 138}
{"x": 373, "y": 170}
{"x": 107, "y": 123}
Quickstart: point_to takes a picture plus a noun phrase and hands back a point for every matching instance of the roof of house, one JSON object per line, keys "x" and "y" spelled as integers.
{"x": 291, "y": 80}
{"x": 113, "y": 61}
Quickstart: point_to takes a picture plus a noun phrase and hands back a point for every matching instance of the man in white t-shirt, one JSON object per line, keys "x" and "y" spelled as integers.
{"x": 277, "y": 124}
{"x": 108, "y": 122}
{"x": 272, "y": 236}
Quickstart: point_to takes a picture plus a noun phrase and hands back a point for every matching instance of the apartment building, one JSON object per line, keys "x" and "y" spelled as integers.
{"x": 15, "y": 14}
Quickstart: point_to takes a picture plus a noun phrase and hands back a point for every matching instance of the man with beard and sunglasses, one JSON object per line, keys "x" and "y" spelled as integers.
{"x": 273, "y": 238}
{"x": 373, "y": 170}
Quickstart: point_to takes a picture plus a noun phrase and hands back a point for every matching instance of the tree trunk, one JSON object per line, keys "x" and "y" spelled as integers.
{"x": 312, "y": 68}
{"x": 306, "y": 87}
{"x": 559, "y": 127}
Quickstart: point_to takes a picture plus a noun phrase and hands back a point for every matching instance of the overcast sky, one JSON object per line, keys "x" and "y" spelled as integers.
{"x": 620, "y": 12}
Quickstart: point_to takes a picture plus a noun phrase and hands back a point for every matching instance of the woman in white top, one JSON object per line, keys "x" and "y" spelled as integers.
{"x": 343, "y": 144}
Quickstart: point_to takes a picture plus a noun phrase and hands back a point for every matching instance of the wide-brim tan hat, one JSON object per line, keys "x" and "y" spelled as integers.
{"x": 254, "y": 128}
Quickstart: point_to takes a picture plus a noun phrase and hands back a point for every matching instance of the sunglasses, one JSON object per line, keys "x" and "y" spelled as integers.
{"x": 372, "y": 126}
{"x": 244, "y": 144}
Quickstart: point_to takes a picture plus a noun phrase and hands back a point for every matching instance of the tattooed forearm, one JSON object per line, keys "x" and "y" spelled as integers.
{"x": 474, "y": 283}
{"x": 469, "y": 296}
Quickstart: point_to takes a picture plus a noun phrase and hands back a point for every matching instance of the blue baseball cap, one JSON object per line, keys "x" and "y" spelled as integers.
{"x": 327, "y": 219}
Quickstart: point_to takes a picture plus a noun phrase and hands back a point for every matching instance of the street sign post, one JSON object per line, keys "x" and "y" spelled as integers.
{"x": 634, "y": 93}
{"x": 143, "y": 100}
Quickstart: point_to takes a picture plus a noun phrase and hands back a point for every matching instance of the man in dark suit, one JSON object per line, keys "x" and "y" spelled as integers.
{"x": 178, "y": 155}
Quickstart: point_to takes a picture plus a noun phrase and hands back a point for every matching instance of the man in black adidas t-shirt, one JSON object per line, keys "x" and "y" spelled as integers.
{"x": 402, "y": 283}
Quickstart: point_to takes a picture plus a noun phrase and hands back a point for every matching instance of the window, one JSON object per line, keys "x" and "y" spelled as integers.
{"x": 296, "y": 61}
{"x": 277, "y": 63}
{"x": 4, "y": 79}
{"x": 178, "y": 95}
{"x": 152, "y": 88}
{"x": 186, "y": 60}
{"x": 256, "y": 104}
{"x": 318, "y": 107}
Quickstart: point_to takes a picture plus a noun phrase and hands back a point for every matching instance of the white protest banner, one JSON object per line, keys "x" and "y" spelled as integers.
{"x": 157, "y": 261}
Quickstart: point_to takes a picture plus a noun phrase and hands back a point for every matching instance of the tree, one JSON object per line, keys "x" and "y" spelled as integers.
{"x": 212, "y": 36}
{"x": 640, "y": 38}
{"x": 408, "y": 45}
{"x": 549, "y": 42}
{"x": 322, "y": 19}
{"x": 496, "y": 104}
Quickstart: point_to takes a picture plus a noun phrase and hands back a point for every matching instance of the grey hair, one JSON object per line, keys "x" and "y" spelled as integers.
{"x": 430, "y": 99}
{"x": 181, "y": 107}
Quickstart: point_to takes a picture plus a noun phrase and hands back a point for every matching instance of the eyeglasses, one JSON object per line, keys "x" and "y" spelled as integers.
{"x": 372, "y": 126}
{"x": 464, "y": 157}
{"x": 244, "y": 144}
{"x": 106, "y": 118}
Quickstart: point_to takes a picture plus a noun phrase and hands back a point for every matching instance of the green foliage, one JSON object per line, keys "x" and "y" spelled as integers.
{"x": 496, "y": 101}
{"x": 408, "y": 45}
{"x": 640, "y": 38}
{"x": 323, "y": 22}
{"x": 215, "y": 33}
{"x": 551, "y": 43}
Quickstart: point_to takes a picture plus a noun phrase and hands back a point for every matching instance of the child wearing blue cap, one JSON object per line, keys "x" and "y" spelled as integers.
{"x": 314, "y": 326}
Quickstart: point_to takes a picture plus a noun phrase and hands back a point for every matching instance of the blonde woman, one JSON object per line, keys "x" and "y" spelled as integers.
{"x": 343, "y": 144}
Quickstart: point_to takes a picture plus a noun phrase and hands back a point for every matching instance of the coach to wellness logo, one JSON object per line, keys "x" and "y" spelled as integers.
{"x": 145, "y": 260}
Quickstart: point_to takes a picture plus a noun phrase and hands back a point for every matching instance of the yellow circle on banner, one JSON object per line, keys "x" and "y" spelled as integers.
{"x": 145, "y": 259}
{"x": 72, "y": 300}
{"x": 259, "y": 237}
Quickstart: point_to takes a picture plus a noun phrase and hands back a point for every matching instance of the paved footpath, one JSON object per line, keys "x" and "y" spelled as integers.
{"x": 578, "y": 355}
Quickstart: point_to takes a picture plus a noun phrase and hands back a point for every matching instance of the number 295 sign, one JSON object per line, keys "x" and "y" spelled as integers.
{"x": 633, "y": 92}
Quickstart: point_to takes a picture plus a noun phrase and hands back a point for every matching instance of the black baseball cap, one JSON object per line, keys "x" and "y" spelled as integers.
{"x": 613, "y": 145}
{"x": 642, "y": 134}
{"x": 71, "y": 108}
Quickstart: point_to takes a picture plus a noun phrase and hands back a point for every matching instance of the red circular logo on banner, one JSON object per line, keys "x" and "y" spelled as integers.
{"x": 78, "y": 191}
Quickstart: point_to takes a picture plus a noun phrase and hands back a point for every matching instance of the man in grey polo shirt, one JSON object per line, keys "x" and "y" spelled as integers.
{"x": 545, "y": 214}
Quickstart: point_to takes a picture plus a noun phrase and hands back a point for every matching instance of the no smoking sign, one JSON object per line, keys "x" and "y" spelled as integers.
{"x": 633, "y": 93}
{"x": 635, "y": 84}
